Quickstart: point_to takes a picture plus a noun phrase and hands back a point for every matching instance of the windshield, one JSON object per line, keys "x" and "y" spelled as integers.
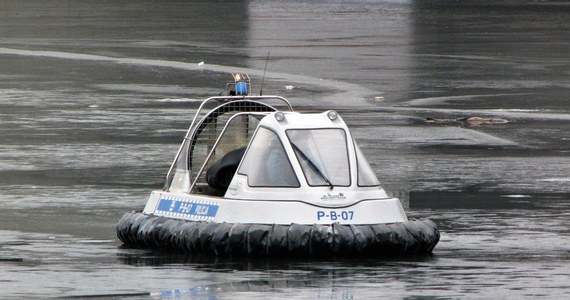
{"x": 323, "y": 155}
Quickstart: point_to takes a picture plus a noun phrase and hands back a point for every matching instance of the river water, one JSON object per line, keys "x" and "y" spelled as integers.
{"x": 95, "y": 97}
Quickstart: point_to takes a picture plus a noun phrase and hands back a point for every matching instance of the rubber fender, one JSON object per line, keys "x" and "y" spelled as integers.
{"x": 298, "y": 239}
{"x": 385, "y": 237}
{"x": 258, "y": 239}
{"x": 278, "y": 240}
{"x": 211, "y": 238}
{"x": 364, "y": 238}
{"x": 237, "y": 240}
{"x": 189, "y": 230}
{"x": 206, "y": 234}
{"x": 220, "y": 239}
{"x": 415, "y": 230}
{"x": 322, "y": 237}
{"x": 343, "y": 239}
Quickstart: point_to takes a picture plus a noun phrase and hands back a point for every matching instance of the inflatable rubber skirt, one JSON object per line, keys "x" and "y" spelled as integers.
{"x": 226, "y": 239}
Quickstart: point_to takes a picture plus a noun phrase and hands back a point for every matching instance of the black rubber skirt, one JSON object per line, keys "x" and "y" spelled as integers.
{"x": 235, "y": 239}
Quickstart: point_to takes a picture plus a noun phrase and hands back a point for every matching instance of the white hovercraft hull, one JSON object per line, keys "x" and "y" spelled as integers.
{"x": 209, "y": 226}
{"x": 216, "y": 209}
{"x": 252, "y": 180}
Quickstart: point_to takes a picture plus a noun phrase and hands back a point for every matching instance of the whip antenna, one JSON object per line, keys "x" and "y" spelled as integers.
{"x": 263, "y": 78}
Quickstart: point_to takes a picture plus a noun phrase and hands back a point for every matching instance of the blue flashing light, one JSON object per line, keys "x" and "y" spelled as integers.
{"x": 241, "y": 88}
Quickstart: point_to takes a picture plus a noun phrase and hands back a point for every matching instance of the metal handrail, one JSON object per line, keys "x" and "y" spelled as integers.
{"x": 199, "y": 110}
{"x": 211, "y": 153}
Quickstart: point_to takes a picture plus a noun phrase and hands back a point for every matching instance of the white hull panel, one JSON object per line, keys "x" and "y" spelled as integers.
{"x": 215, "y": 209}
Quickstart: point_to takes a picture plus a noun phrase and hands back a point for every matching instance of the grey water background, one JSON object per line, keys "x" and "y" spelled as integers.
{"x": 95, "y": 97}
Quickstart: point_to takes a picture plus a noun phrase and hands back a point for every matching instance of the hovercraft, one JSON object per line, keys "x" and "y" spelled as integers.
{"x": 255, "y": 178}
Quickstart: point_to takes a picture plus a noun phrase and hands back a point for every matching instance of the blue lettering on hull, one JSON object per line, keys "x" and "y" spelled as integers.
{"x": 334, "y": 216}
{"x": 187, "y": 208}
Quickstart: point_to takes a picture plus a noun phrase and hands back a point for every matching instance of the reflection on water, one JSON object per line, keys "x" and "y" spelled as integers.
{"x": 482, "y": 254}
{"x": 96, "y": 96}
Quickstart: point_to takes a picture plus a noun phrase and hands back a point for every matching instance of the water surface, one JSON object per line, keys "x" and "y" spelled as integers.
{"x": 95, "y": 98}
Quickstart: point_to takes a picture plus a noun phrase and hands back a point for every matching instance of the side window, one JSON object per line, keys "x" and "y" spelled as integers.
{"x": 266, "y": 164}
{"x": 366, "y": 176}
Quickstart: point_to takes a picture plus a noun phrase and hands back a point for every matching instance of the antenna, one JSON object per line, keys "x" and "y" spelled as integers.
{"x": 265, "y": 69}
